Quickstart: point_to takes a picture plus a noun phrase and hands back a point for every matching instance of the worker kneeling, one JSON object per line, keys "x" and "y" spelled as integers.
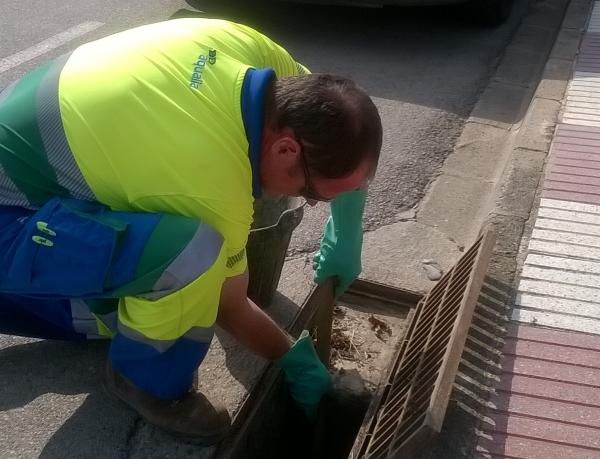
{"x": 86, "y": 272}
{"x": 128, "y": 174}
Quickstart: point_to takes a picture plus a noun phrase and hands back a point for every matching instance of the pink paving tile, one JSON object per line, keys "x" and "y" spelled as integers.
{"x": 560, "y": 153}
{"x": 544, "y": 409}
{"x": 587, "y": 68}
{"x": 584, "y": 141}
{"x": 572, "y": 178}
{"x": 512, "y": 446}
{"x": 572, "y": 129}
{"x": 591, "y": 37}
{"x": 578, "y": 147}
{"x": 555, "y": 390}
{"x": 572, "y": 187}
{"x": 553, "y": 431}
{"x": 563, "y": 135}
{"x": 551, "y": 370}
{"x": 553, "y": 336}
{"x": 575, "y": 163}
{"x": 553, "y": 353}
{"x": 568, "y": 196}
{"x": 587, "y": 65}
{"x": 574, "y": 171}
{"x": 590, "y": 47}
{"x": 586, "y": 57}
{"x": 572, "y": 148}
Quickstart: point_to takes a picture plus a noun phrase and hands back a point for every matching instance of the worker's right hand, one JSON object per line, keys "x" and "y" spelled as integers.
{"x": 306, "y": 376}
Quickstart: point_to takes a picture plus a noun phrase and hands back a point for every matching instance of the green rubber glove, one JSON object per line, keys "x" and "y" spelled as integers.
{"x": 341, "y": 246}
{"x": 306, "y": 376}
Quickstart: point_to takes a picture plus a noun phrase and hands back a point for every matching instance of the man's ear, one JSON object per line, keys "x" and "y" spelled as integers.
{"x": 286, "y": 146}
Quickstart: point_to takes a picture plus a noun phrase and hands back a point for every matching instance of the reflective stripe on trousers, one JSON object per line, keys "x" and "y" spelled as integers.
{"x": 65, "y": 268}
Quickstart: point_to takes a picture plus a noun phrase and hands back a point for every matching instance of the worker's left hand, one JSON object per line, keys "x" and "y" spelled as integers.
{"x": 306, "y": 376}
{"x": 339, "y": 255}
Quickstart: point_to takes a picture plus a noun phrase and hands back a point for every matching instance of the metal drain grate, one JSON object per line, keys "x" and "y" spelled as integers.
{"x": 412, "y": 403}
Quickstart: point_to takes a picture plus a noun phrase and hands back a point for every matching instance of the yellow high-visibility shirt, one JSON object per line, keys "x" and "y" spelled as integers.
{"x": 153, "y": 118}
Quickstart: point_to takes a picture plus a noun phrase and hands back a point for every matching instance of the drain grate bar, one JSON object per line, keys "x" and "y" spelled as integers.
{"x": 412, "y": 403}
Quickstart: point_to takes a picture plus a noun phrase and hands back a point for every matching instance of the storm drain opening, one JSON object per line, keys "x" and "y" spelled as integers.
{"x": 394, "y": 356}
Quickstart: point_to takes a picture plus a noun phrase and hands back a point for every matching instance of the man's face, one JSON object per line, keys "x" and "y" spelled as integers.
{"x": 284, "y": 172}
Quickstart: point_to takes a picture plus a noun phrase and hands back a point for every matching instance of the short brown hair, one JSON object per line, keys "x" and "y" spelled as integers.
{"x": 334, "y": 119}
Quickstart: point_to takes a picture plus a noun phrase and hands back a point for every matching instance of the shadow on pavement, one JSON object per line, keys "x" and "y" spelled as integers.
{"x": 478, "y": 372}
{"x": 45, "y": 382}
{"x": 53, "y": 366}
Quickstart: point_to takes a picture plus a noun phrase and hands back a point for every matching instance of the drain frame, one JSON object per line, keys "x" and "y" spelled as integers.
{"x": 316, "y": 314}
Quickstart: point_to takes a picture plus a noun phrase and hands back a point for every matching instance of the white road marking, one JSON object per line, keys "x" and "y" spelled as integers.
{"x": 566, "y": 250}
{"x": 557, "y": 276}
{"x": 565, "y": 238}
{"x": 569, "y": 264}
{"x": 558, "y": 305}
{"x": 42, "y": 47}
{"x": 580, "y": 122}
{"x": 570, "y": 205}
{"x": 575, "y": 323}
{"x": 569, "y": 292}
{"x": 564, "y": 225}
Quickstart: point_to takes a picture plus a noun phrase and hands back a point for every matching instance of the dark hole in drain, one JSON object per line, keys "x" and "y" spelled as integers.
{"x": 333, "y": 433}
{"x": 363, "y": 340}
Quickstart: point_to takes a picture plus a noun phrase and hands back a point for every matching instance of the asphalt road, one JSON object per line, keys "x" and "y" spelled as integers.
{"x": 424, "y": 67}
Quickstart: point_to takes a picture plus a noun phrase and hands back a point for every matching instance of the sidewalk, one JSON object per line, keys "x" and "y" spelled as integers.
{"x": 547, "y": 400}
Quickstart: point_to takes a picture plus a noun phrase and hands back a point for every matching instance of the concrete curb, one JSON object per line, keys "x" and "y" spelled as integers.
{"x": 529, "y": 88}
{"x": 516, "y": 191}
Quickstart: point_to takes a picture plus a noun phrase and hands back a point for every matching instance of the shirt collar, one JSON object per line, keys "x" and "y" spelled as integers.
{"x": 254, "y": 87}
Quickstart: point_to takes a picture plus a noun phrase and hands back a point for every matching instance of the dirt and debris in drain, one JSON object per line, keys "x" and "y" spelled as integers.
{"x": 362, "y": 345}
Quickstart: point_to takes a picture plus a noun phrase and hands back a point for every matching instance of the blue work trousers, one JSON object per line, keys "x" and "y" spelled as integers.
{"x": 63, "y": 268}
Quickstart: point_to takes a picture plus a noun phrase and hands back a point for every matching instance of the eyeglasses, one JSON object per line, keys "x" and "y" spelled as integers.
{"x": 308, "y": 191}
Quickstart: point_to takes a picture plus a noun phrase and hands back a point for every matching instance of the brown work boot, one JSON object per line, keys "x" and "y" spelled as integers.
{"x": 191, "y": 416}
